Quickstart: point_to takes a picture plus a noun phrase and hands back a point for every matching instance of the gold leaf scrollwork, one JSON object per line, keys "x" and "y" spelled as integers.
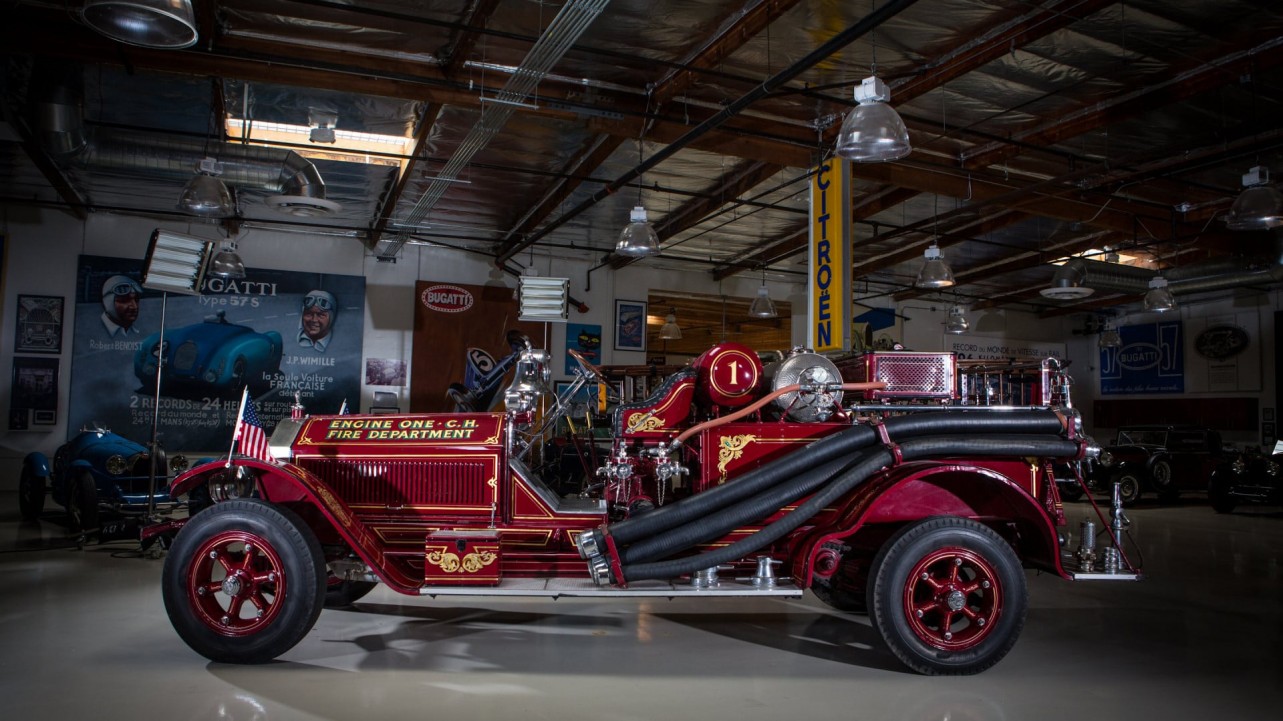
{"x": 644, "y": 422}
{"x": 471, "y": 563}
{"x": 732, "y": 447}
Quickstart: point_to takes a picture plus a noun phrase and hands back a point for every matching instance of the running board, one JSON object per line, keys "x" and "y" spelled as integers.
{"x": 585, "y": 588}
{"x": 1121, "y": 576}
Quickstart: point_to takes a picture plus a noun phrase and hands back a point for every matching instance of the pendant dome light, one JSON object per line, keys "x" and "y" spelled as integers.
{"x": 935, "y": 272}
{"x": 205, "y": 195}
{"x": 762, "y": 305}
{"x": 162, "y": 24}
{"x": 1109, "y": 336}
{"x": 670, "y": 330}
{"x": 957, "y": 323}
{"x": 873, "y": 132}
{"x": 1259, "y": 206}
{"x": 227, "y": 262}
{"x": 1159, "y": 299}
{"x": 638, "y": 238}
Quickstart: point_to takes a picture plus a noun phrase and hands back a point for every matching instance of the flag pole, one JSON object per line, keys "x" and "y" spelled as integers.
{"x": 240, "y": 418}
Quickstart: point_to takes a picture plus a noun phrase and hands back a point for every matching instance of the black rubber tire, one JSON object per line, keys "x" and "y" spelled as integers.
{"x": 947, "y": 539}
{"x": 1160, "y": 474}
{"x": 341, "y": 594}
{"x": 1130, "y": 486}
{"x": 31, "y": 495}
{"x": 286, "y": 546}
{"x": 82, "y": 502}
{"x": 1069, "y": 492}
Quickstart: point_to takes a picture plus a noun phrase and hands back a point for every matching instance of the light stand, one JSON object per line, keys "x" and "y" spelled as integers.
{"x": 174, "y": 263}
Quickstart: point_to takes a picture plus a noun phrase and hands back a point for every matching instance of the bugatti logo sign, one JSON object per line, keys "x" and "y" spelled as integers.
{"x": 446, "y": 298}
{"x": 1139, "y": 356}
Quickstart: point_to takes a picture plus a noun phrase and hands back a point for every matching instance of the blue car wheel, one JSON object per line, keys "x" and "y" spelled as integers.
{"x": 82, "y": 502}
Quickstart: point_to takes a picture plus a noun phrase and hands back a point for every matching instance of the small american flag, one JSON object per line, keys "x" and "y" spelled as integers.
{"x": 249, "y": 431}
{"x": 343, "y": 409}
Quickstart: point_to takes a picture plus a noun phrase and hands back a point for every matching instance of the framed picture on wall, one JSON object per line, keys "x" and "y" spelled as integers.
{"x": 39, "y": 326}
{"x": 34, "y": 392}
{"x": 630, "y": 325}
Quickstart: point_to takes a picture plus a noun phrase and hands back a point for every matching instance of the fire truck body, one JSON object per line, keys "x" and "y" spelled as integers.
{"x": 730, "y": 480}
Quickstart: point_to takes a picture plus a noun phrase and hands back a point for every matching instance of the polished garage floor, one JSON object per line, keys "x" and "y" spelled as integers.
{"x": 83, "y": 634}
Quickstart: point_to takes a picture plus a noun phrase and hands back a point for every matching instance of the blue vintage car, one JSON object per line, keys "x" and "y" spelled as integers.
{"x": 210, "y": 358}
{"x": 95, "y": 472}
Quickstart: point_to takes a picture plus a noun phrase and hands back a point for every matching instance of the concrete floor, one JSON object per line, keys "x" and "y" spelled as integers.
{"x": 83, "y": 634}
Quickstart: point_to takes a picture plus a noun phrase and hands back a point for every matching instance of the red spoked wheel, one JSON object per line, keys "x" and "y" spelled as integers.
{"x": 244, "y": 581}
{"x": 948, "y": 596}
{"x": 952, "y": 598}
{"x": 235, "y": 581}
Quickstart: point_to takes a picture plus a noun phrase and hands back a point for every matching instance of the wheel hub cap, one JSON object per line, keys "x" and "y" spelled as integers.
{"x": 955, "y": 600}
{"x": 232, "y": 585}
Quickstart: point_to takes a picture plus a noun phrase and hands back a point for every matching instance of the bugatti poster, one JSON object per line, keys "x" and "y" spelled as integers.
{"x": 279, "y": 333}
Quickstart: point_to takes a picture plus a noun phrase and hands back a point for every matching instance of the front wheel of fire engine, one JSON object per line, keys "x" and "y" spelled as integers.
{"x": 948, "y": 596}
{"x": 244, "y": 581}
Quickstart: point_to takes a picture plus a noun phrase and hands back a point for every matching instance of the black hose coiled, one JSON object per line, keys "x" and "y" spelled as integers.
{"x": 870, "y": 462}
{"x": 824, "y": 450}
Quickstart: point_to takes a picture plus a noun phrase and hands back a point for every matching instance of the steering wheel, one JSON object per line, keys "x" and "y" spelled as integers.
{"x": 591, "y": 372}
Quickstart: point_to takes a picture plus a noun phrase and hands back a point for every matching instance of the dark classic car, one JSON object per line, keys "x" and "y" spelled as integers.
{"x": 1160, "y": 459}
{"x": 213, "y": 357}
{"x": 1247, "y": 477}
{"x": 97, "y": 471}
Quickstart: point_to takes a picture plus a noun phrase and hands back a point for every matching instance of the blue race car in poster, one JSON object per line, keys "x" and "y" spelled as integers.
{"x": 96, "y": 472}
{"x": 213, "y": 358}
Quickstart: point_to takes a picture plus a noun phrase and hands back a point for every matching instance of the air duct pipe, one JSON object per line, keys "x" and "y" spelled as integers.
{"x": 1217, "y": 274}
{"x": 255, "y": 166}
{"x": 57, "y": 108}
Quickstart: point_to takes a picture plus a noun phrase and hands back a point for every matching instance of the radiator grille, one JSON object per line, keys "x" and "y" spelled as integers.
{"x": 907, "y": 375}
{"x": 394, "y": 483}
{"x": 185, "y": 356}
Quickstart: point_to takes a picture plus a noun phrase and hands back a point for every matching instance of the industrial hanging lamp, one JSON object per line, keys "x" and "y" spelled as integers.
{"x": 227, "y": 262}
{"x": 1109, "y": 336}
{"x": 957, "y": 322}
{"x": 873, "y": 132}
{"x": 1259, "y": 206}
{"x": 670, "y": 330}
{"x": 935, "y": 273}
{"x": 1159, "y": 299}
{"x": 162, "y": 24}
{"x": 638, "y": 239}
{"x": 762, "y": 305}
{"x": 205, "y": 195}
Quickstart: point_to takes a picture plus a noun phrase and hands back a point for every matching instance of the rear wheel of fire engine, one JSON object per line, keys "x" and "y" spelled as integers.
{"x": 1128, "y": 487}
{"x": 31, "y": 495}
{"x": 1071, "y": 492}
{"x": 82, "y": 502}
{"x": 948, "y": 596}
{"x": 244, "y": 581}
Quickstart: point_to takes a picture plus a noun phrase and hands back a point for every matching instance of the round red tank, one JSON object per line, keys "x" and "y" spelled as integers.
{"x": 729, "y": 374}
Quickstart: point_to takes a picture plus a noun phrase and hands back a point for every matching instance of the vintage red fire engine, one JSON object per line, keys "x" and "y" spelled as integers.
{"x": 871, "y": 481}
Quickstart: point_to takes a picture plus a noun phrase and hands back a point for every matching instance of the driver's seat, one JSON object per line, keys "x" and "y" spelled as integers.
{"x": 665, "y": 411}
